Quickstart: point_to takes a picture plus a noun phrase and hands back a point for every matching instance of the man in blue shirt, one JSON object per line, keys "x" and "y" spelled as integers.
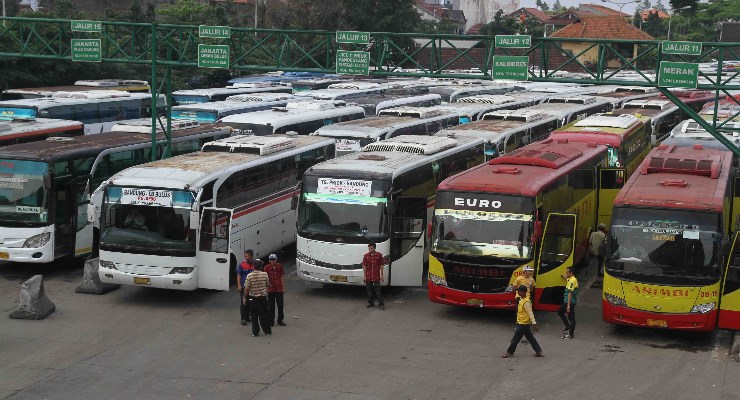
{"x": 242, "y": 270}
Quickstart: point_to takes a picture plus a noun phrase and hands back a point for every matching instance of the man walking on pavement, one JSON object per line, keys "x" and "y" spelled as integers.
{"x": 242, "y": 270}
{"x": 276, "y": 290}
{"x": 524, "y": 323}
{"x": 597, "y": 247}
{"x": 255, "y": 294}
{"x": 569, "y": 304}
{"x": 372, "y": 270}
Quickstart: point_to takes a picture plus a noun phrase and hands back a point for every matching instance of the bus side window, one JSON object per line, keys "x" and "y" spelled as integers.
{"x": 611, "y": 179}
{"x": 87, "y": 113}
{"x": 206, "y": 197}
{"x": 582, "y": 182}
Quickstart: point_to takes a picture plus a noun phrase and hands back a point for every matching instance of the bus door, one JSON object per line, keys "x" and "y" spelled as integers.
{"x": 83, "y": 242}
{"x": 557, "y": 252}
{"x": 214, "y": 249}
{"x": 68, "y": 194}
{"x": 407, "y": 241}
{"x": 729, "y": 302}
{"x": 611, "y": 181}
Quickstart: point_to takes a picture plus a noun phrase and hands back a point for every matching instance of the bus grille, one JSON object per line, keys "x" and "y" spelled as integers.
{"x": 143, "y": 269}
{"x": 338, "y": 266}
{"x": 478, "y": 279}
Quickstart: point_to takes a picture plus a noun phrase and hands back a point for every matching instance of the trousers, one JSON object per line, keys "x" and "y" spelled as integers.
{"x": 374, "y": 290}
{"x": 243, "y": 309}
{"x": 258, "y": 310}
{"x": 525, "y": 331}
{"x": 570, "y": 321}
{"x": 275, "y": 299}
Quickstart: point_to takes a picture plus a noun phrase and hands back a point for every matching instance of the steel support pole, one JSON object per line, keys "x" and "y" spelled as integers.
{"x": 168, "y": 110}
{"x": 696, "y": 117}
{"x": 155, "y": 95}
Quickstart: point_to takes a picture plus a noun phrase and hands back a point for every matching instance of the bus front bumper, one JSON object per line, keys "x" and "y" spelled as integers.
{"x": 169, "y": 281}
{"x": 43, "y": 254}
{"x": 621, "y": 315}
{"x": 314, "y": 273}
{"x": 445, "y": 295}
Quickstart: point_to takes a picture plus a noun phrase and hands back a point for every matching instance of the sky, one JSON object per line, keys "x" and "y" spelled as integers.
{"x": 627, "y": 9}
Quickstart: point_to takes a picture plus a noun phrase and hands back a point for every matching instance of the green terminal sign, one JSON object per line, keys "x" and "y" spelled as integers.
{"x": 353, "y": 62}
{"x": 213, "y": 56}
{"x": 510, "y": 67}
{"x": 353, "y": 37}
{"x": 216, "y": 32}
{"x": 684, "y": 48}
{"x": 87, "y": 26}
{"x": 88, "y": 50}
{"x": 678, "y": 74}
{"x": 514, "y": 41}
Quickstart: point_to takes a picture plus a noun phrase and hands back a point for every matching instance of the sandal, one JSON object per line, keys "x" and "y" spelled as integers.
{"x": 507, "y": 355}
{"x": 537, "y": 355}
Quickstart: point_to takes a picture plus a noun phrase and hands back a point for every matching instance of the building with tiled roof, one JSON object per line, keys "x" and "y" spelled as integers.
{"x": 597, "y": 9}
{"x": 529, "y": 12}
{"x": 600, "y": 27}
{"x": 646, "y": 13}
{"x": 436, "y": 13}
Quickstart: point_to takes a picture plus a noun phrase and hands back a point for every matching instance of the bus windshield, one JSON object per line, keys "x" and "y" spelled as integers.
{"x": 200, "y": 116}
{"x": 23, "y": 197}
{"x": 147, "y": 221}
{"x": 178, "y": 99}
{"x": 251, "y": 129}
{"x": 478, "y": 224}
{"x": 358, "y": 217}
{"x": 665, "y": 246}
{"x": 9, "y": 113}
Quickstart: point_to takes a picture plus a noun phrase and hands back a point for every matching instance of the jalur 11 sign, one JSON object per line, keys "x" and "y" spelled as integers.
{"x": 684, "y": 48}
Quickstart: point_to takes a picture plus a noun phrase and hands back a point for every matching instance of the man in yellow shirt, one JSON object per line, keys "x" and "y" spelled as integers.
{"x": 526, "y": 280}
{"x": 569, "y": 304}
{"x": 524, "y": 321}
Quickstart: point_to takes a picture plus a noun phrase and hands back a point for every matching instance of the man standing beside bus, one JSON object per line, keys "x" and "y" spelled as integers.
{"x": 242, "y": 271}
{"x": 597, "y": 247}
{"x": 372, "y": 271}
{"x": 569, "y": 304}
{"x": 255, "y": 294}
{"x": 276, "y": 290}
{"x": 525, "y": 279}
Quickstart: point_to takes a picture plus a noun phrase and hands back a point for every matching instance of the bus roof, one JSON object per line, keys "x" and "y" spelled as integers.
{"x": 370, "y": 127}
{"x": 264, "y": 97}
{"x": 420, "y": 112}
{"x": 607, "y": 129}
{"x": 225, "y": 90}
{"x": 511, "y": 97}
{"x": 292, "y": 113}
{"x": 332, "y": 94}
{"x": 526, "y": 171}
{"x": 46, "y": 102}
{"x": 491, "y": 130}
{"x": 690, "y": 178}
{"x": 225, "y": 106}
{"x": 193, "y": 170}
{"x": 390, "y": 158}
{"x": 10, "y": 129}
{"x": 562, "y": 110}
{"x": 67, "y": 147}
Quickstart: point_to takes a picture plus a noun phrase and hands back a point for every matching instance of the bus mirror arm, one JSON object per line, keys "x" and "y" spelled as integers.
{"x": 194, "y": 220}
{"x": 47, "y": 182}
{"x": 537, "y": 231}
{"x": 725, "y": 248}
{"x": 91, "y": 213}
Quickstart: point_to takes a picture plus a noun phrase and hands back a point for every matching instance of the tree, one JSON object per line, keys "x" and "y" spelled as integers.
{"x": 660, "y": 6}
{"x": 637, "y": 19}
{"x": 12, "y": 7}
{"x": 189, "y": 12}
{"x": 151, "y": 13}
{"x": 676, "y": 4}
{"x": 645, "y": 5}
{"x": 135, "y": 13}
{"x": 542, "y": 5}
{"x": 500, "y": 26}
{"x": 381, "y": 15}
{"x": 557, "y": 7}
{"x": 654, "y": 25}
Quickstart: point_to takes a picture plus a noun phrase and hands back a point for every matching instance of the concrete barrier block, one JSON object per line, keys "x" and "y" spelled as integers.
{"x": 33, "y": 303}
{"x": 91, "y": 283}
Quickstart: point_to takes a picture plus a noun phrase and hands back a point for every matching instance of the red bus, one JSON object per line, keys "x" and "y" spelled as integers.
{"x": 488, "y": 224}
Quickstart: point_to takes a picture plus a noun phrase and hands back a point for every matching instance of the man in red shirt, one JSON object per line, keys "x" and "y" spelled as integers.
{"x": 372, "y": 269}
{"x": 276, "y": 289}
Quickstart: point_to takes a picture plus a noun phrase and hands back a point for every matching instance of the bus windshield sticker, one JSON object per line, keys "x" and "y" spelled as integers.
{"x": 347, "y": 145}
{"x": 484, "y": 215}
{"x": 691, "y": 234}
{"x": 12, "y": 183}
{"x": 28, "y": 210}
{"x": 345, "y": 199}
{"x": 344, "y": 186}
{"x": 147, "y": 197}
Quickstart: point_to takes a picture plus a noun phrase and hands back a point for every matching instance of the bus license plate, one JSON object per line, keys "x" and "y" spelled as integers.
{"x": 475, "y": 302}
{"x": 337, "y": 278}
{"x": 4, "y": 255}
{"x": 661, "y": 323}
{"x": 142, "y": 281}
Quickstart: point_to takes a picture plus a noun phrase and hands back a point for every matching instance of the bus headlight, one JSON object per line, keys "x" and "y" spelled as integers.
{"x": 182, "y": 270}
{"x": 617, "y": 301}
{"x": 37, "y": 241}
{"x": 107, "y": 265}
{"x": 304, "y": 258}
{"x": 703, "y": 308}
{"x": 437, "y": 280}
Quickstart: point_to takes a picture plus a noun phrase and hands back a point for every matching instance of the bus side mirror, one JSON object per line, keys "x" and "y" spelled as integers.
{"x": 91, "y": 213}
{"x": 296, "y": 196}
{"x": 194, "y": 220}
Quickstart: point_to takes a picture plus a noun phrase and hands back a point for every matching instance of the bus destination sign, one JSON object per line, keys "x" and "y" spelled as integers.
{"x": 684, "y": 48}
{"x": 87, "y": 26}
{"x": 514, "y": 41}
{"x": 353, "y": 62}
{"x": 353, "y": 37}
{"x": 213, "y": 56}
{"x": 216, "y": 32}
{"x": 87, "y": 50}
{"x": 678, "y": 74}
{"x": 510, "y": 67}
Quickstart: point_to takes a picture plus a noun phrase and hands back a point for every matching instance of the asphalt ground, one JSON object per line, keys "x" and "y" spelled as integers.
{"x": 143, "y": 343}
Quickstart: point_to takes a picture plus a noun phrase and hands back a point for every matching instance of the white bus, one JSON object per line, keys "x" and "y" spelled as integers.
{"x": 508, "y": 101}
{"x": 131, "y": 86}
{"x": 301, "y": 117}
{"x": 688, "y": 133}
{"x": 505, "y": 131}
{"x": 568, "y": 108}
{"x": 97, "y": 110}
{"x": 346, "y": 94}
{"x": 21, "y": 131}
{"x": 189, "y": 230}
{"x": 450, "y": 93}
{"x": 664, "y": 115}
{"x": 46, "y": 185}
{"x": 213, "y": 111}
{"x": 351, "y": 136}
{"x": 383, "y": 194}
{"x": 373, "y": 104}
{"x": 192, "y": 96}
{"x": 623, "y": 94}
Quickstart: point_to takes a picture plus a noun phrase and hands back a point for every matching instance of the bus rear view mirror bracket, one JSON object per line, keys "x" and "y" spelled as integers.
{"x": 194, "y": 220}
{"x": 296, "y": 196}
